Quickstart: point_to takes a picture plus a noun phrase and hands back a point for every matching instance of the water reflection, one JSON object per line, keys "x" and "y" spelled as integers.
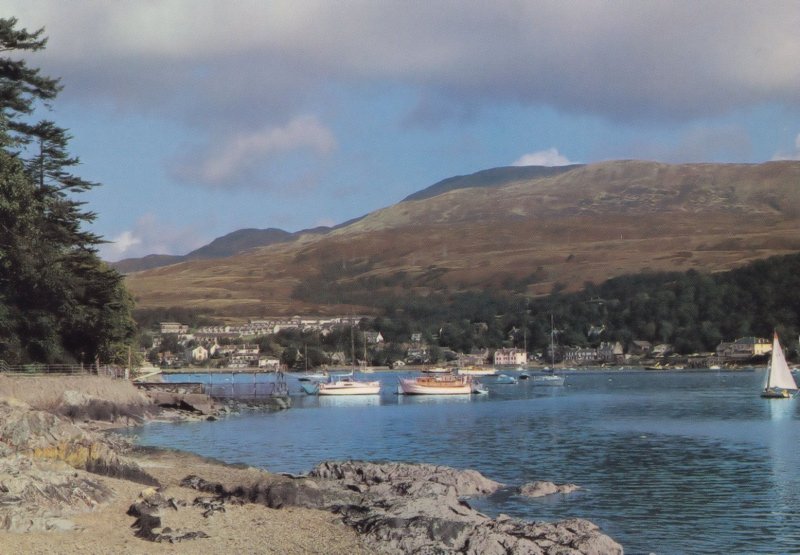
{"x": 348, "y": 400}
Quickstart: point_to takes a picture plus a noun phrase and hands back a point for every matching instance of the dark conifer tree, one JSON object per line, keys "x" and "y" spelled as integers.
{"x": 58, "y": 301}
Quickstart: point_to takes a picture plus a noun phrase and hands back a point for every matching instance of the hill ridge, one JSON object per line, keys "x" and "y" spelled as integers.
{"x": 532, "y": 236}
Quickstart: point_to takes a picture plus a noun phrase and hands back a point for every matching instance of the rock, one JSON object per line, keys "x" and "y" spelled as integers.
{"x": 148, "y": 524}
{"x": 42, "y": 435}
{"x": 540, "y": 488}
{"x": 35, "y": 496}
{"x": 198, "y": 403}
{"x": 409, "y": 508}
{"x": 465, "y": 482}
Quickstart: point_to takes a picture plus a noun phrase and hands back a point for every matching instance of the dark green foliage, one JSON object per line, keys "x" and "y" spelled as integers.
{"x": 691, "y": 311}
{"x": 58, "y": 301}
{"x": 150, "y": 318}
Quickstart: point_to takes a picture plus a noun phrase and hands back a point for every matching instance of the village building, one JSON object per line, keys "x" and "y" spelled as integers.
{"x": 196, "y": 354}
{"x": 269, "y": 364}
{"x": 640, "y": 348}
{"x": 744, "y": 347}
{"x": 373, "y": 337}
{"x": 510, "y": 357}
{"x": 176, "y": 328}
{"x": 611, "y": 352}
{"x": 580, "y": 355}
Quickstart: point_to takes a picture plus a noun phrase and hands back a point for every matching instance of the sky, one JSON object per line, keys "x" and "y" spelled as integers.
{"x": 202, "y": 117}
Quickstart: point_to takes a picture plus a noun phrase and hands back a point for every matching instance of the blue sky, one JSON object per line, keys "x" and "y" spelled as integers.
{"x": 203, "y": 117}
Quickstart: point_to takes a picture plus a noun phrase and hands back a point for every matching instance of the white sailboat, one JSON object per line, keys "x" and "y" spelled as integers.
{"x": 346, "y": 384}
{"x": 780, "y": 383}
{"x": 551, "y": 378}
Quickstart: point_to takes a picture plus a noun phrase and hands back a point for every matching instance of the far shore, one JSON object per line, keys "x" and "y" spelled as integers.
{"x": 420, "y": 368}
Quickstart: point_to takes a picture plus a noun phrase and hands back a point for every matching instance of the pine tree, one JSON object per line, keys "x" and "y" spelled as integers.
{"x": 58, "y": 301}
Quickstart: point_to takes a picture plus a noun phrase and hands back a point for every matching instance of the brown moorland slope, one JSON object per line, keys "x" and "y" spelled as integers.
{"x": 590, "y": 223}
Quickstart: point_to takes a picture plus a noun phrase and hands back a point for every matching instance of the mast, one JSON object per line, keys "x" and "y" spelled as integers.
{"x": 552, "y": 345}
{"x": 352, "y": 349}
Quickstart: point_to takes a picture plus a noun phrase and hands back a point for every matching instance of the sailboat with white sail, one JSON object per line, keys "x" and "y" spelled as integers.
{"x": 346, "y": 384}
{"x": 550, "y": 378}
{"x": 780, "y": 383}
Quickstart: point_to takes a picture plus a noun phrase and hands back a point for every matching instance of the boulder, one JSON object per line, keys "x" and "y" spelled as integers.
{"x": 541, "y": 488}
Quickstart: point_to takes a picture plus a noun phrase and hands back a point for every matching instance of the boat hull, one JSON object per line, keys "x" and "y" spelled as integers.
{"x": 548, "y": 380}
{"x": 349, "y": 388}
{"x": 436, "y": 386}
{"x": 477, "y": 371}
{"x": 776, "y": 394}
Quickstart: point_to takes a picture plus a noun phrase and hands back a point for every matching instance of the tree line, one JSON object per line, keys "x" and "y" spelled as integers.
{"x": 59, "y": 303}
{"x": 692, "y": 311}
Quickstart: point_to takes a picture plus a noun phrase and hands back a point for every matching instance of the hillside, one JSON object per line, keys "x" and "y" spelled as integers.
{"x": 534, "y": 234}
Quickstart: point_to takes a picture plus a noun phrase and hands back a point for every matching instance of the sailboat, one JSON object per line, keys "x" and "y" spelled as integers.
{"x": 346, "y": 384}
{"x": 550, "y": 378}
{"x": 780, "y": 383}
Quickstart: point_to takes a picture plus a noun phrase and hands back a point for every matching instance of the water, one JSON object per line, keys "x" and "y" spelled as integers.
{"x": 669, "y": 462}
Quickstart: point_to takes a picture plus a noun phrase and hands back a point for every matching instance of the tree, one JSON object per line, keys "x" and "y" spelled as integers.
{"x": 58, "y": 301}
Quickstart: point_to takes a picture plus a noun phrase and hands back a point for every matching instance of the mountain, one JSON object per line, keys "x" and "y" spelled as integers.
{"x": 494, "y": 177}
{"x": 239, "y": 241}
{"x": 227, "y": 245}
{"x": 532, "y": 233}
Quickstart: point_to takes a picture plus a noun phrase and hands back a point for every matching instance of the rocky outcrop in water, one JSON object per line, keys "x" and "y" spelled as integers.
{"x": 541, "y": 488}
{"x": 405, "y": 508}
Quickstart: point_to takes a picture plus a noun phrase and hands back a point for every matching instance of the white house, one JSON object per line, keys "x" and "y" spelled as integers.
{"x": 197, "y": 354}
{"x": 508, "y": 357}
{"x": 173, "y": 327}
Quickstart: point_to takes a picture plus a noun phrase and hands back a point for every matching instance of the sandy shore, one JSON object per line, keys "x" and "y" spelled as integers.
{"x": 243, "y": 528}
{"x": 247, "y": 528}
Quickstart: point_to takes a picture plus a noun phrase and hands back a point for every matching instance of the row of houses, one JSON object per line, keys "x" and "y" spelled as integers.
{"x": 236, "y": 356}
{"x": 261, "y": 327}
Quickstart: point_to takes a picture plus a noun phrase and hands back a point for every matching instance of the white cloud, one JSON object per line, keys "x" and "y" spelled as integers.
{"x": 795, "y": 155}
{"x": 229, "y": 159}
{"x": 151, "y": 235}
{"x": 548, "y": 157}
{"x": 119, "y": 245}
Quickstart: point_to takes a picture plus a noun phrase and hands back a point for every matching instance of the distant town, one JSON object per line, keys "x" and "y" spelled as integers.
{"x": 252, "y": 346}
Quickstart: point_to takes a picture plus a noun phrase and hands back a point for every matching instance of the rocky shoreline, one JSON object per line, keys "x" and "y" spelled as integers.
{"x": 67, "y": 486}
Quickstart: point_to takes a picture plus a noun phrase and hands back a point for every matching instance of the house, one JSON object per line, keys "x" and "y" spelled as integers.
{"x": 661, "y": 350}
{"x": 640, "y": 348}
{"x": 168, "y": 328}
{"x": 417, "y": 355}
{"x": 269, "y": 363}
{"x": 611, "y": 352}
{"x": 475, "y": 358}
{"x": 222, "y": 350}
{"x": 416, "y": 337}
{"x": 196, "y": 354}
{"x": 373, "y": 337}
{"x": 744, "y": 347}
{"x": 510, "y": 357}
{"x": 580, "y": 355}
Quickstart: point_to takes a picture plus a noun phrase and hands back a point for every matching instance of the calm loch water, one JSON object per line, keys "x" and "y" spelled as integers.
{"x": 669, "y": 462}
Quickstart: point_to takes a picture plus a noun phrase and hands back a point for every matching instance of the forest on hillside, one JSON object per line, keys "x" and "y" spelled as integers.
{"x": 59, "y": 303}
{"x": 690, "y": 310}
